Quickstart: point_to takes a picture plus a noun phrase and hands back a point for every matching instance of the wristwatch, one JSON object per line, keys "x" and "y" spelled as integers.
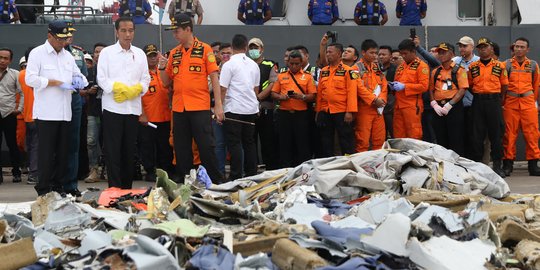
{"x": 303, "y": 97}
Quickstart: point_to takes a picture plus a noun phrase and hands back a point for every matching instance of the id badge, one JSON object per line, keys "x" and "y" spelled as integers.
{"x": 444, "y": 86}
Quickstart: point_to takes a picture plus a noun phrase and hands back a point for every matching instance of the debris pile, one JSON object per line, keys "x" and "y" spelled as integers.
{"x": 410, "y": 205}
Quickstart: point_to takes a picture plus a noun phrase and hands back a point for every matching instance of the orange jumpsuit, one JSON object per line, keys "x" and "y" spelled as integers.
{"x": 409, "y": 105}
{"x": 369, "y": 122}
{"x": 521, "y": 111}
{"x": 21, "y": 128}
{"x": 336, "y": 92}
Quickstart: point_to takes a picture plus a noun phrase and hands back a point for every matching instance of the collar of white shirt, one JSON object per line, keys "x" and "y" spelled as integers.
{"x": 50, "y": 48}
{"x": 119, "y": 48}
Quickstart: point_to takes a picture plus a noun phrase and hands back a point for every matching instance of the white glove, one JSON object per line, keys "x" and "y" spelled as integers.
{"x": 446, "y": 109}
{"x": 438, "y": 109}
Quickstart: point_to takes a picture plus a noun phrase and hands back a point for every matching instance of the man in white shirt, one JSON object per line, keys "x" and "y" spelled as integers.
{"x": 9, "y": 88}
{"x": 54, "y": 75}
{"x": 467, "y": 56}
{"x": 123, "y": 75}
{"x": 239, "y": 81}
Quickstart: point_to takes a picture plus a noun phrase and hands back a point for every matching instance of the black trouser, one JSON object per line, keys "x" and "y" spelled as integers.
{"x": 428, "y": 131}
{"x": 154, "y": 148}
{"x": 84, "y": 168}
{"x": 241, "y": 138}
{"x": 487, "y": 118}
{"x": 449, "y": 129}
{"x": 388, "y": 114}
{"x": 315, "y": 149}
{"x": 293, "y": 137}
{"x": 8, "y": 128}
{"x": 468, "y": 132}
{"x": 329, "y": 124}
{"x": 52, "y": 155}
{"x": 119, "y": 145}
{"x": 266, "y": 129}
{"x": 195, "y": 125}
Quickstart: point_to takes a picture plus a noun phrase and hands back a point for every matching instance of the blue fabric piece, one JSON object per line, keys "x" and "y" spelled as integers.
{"x": 358, "y": 10}
{"x": 410, "y": 13}
{"x": 212, "y": 257}
{"x": 203, "y": 178}
{"x": 132, "y": 6}
{"x": 467, "y": 99}
{"x": 242, "y": 9}
{"x": 334, "y": 207}
{"x": 322, "y": 12}
{"x": 358, "y": 263}
{"x": 338, "y": 235}
{"x": 11, "y": 10}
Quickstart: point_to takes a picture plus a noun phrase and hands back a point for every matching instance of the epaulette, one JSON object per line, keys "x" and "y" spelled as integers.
{"x": 77, "y": 47}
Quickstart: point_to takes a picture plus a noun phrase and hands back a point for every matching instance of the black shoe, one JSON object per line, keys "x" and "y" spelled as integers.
{"x": 32, "y": 180}
{"x": 533, "y": 168}
{"x": 508, "y": 166}
{"x": 17, "y": 179}
{"x": 75, "y": 193}
{"x": 497, "y": 168}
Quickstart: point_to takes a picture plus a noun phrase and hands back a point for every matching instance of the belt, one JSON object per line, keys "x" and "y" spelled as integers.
{"x": 514, "y": 94}
{"x": 443, "y": 101}
{"x": 487, "y": 96}
{"x": 291, "y": 111}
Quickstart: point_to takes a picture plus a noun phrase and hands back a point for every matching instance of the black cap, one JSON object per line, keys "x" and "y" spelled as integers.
{"x": 59, "y": 29}
{"x": 484, "y": 41}
{"x": 70, "y": 26}
{"x": 445, "y": 46}
{"x": 179, "y": 20}
{"x": 150, "y": 49}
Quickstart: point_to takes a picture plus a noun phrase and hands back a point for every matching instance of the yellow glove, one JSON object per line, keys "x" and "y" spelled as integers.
{"x": 119, "y": 97}
{"x": 134, "y": 91}
{"x": 119, "y": 87}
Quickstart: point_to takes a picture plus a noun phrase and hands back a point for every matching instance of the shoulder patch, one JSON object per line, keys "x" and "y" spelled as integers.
{"x": 211, "y": 58}
{"x": 354, "y": 74}
{"x": 341, "y": 72}
{"x": 325, "y": 73}
{"x": 425, "y": 71}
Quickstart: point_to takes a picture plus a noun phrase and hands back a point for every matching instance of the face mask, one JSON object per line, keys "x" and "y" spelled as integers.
{"x": 225, "y": 57}
{"x": 254, "y": 54}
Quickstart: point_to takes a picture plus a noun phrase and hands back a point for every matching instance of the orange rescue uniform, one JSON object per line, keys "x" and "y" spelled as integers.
{"x": 520, "y": 109}
{"x": 156, "y": 100}
{"x": 369, "y": 122}
{"x": 444, "y": 75}
{"x": 409, "y": 105}
{"x": 28, "y": 93}
{"x": 337, "y": 90}
{"x": 487, "y": 79}
{"x": 188, "y": 70}
{"x": 285, "y": 83}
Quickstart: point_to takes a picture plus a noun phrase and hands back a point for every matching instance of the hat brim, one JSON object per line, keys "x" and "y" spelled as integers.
{"x": 441, "y": 49}
{"x": 62, "y": 35}
{"x": 172, "y": 27}
{"x": 483, "y": 44}
{"x": 152, "y": 52}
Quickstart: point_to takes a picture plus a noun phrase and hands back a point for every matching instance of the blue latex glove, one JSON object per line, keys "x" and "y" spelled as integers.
{"x": 67, "y": 87}
{"x": 77, "y": 82}
{"x": 209, "y": 256}
{"x": 397, "y": 86}
{"x": 467, "y": 99}
{"x": 203, "y": 178}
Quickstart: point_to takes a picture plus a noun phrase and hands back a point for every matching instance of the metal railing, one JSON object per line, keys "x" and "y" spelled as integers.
{"x": 78, "y": 14}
